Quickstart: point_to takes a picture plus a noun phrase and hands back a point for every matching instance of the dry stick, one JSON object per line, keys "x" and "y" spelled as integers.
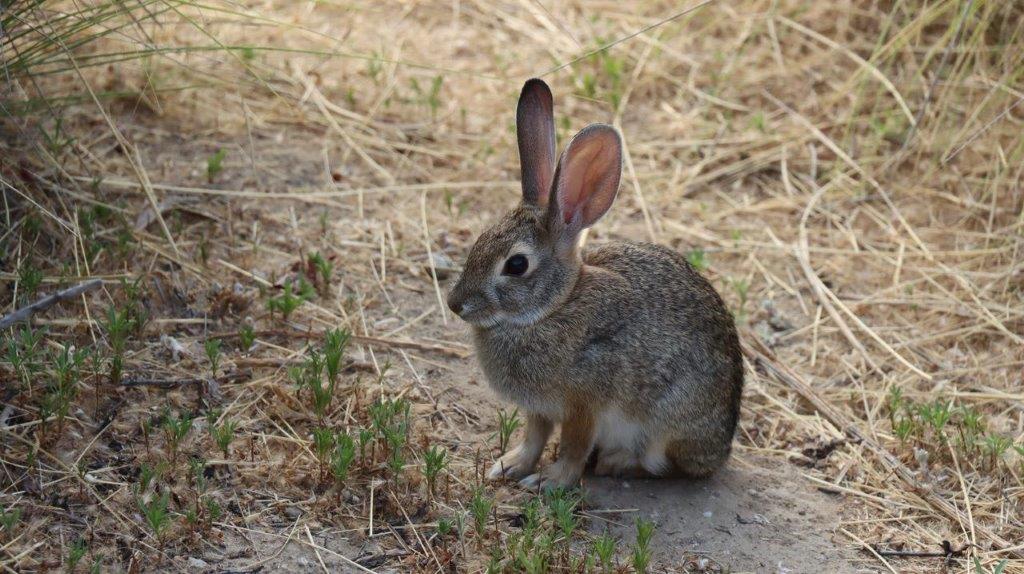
{"x": 364, "y": 339}
{"x": 761, "y": 356}
{"x": 430, "y": 259}
{"x": 49, "y": 301}
{"x": 316, "y": 550}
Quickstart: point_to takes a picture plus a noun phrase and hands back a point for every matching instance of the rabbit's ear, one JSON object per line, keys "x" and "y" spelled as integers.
{"x": 586, "y": 180}
{"x": 535, "y": 130}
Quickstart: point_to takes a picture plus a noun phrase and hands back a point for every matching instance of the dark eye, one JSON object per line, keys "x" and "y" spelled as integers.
{"x": 516, "y": 265}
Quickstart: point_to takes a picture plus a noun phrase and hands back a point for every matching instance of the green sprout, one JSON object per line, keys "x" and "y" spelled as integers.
{"x": 156, "y": 516}
{"x": 341, "y": 459}
{"x": 215, "y": 164}
{"x": 29, "y": 278}
{"x": 222, "y": 435}
{"x": 335, "y": 342}
{"x": 246, "y": 337}
{"x": 324, "y": 270}
{"x": 642, "y": 551}
{"x": 76, "y": 553}
{"x": 9, "y": 519}
{"x": 698, "y": 259}
{"x": 175, "y": 430}
{"x": 212, "y": 347}
{"x": 434, "y": 461}
{"x": 507, "y": 424}
{"x": 480, "y": 509}
{"x": 323, "y": 444}
{"x": 604, "y": 547}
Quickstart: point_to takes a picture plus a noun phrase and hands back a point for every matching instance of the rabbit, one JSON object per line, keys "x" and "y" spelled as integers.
{"x": 626, "y": 346}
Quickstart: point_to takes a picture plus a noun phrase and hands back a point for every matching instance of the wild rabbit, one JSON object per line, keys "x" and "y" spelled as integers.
{"x": 626, "y": 346}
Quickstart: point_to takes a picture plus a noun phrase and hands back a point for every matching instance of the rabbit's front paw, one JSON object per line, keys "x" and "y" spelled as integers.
{"x": 516, "y": 464}
{"x": 561, "y": 474}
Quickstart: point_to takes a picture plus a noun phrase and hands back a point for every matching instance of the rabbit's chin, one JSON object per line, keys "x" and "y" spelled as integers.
{"x": 506, "y": 319}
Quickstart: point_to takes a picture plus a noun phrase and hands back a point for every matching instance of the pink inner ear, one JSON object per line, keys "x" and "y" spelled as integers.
{"x": 589, "y": 176}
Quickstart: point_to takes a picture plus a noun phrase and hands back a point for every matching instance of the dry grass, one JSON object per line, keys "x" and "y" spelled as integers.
{"x": 849, "y": 173}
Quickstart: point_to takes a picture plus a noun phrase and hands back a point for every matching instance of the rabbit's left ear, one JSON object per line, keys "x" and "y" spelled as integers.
{"x": 586, "y": 180}
{"x": 535, "y": 131}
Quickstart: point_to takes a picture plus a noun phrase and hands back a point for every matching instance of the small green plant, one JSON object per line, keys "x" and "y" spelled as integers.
{"x": 156, "y": 516}
{"x": 996, "y": 446}
{"x": 444, "y": 526}
{"x": 76, "y": 553}
{"x": 212, "y": 347}
{"x": 322, "y": 393}
{"x": 434, "y": 461}
{"x": 29, "y": 278}
{"x": 997, "y": 569}
{"x": 642, "y": 550}
{"x": 903, "y": 429}
{"x": 759, "y": 122}
{"x": 335, "y": 342}
{"x": 562, "y": 505}
{"x": 148, "y": 475}
{"x": 175, "y": 431}
{"x": 22, "y": 354}
{"x": 9, "y": 519}
{"x": 63, "y": 385}
{"x": 432, "y": 95}
{"x": 341, "y": 459}
{"x": 507, "y": 424}
{"x": 741, "y": 287}
{"x": 323, "y": 444}
{"x": 895, "y": 403}
{"x": 117, "y": 327}
{"x": 222, "y": 435}
{"x": 246, "y": 337}
{"x": 289, "y": 300}
{"x": 480, "y": 509}
{"x": 213, "y": 510}
{"x": 365, "y": 437}
{"x": 215, "y": 164}
{"x": 197, "y": 474}
{"x": 324, "y": 271}
{"x": 698, "y": 259}
{"x": 604, "y": 548}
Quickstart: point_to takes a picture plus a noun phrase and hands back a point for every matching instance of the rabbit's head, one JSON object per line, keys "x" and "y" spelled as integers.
{"x": 524, "y": 267}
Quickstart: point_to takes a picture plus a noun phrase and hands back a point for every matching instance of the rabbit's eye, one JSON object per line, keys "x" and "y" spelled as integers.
{"x": 516, "y": 265}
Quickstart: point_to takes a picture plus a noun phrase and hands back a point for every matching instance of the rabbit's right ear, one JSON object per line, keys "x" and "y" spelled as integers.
{"x": 535, "y": 131}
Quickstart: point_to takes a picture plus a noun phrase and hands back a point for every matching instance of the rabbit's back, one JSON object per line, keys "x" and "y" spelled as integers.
{"x": 678, "y": 331}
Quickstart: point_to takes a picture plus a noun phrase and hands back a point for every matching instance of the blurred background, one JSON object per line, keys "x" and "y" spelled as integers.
{"x": 258, "y": 206}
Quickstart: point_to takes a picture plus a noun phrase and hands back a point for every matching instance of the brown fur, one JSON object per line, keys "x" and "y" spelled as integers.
{"x": 626, "y": 337}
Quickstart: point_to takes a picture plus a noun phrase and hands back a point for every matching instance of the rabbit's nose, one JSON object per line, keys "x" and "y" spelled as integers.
{"x": 455, "y": 306}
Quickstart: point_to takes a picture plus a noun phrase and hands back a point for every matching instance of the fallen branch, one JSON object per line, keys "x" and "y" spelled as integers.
{"x": 363, "y": 339}
{"x": 277, "y": 362}
{"x": 947, "y": 552}
{"x": 761, "y": 356}
{"x": 45, "y": 303}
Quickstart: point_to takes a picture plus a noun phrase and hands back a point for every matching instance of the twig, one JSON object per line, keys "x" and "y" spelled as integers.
{"x": 49, "y": 301}
{"x": 948, "y": 552}
{"x": 172, "y": 383}
{"x": 364, "y": 339}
